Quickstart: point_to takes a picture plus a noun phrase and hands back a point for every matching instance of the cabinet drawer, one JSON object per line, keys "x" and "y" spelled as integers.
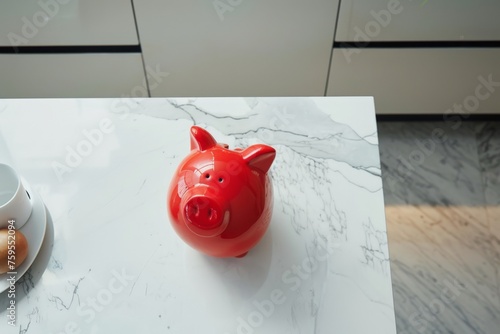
{"x": 419, "y": 81}
{"x": 71, "y": 75}
{"x": 67, "y": 22}
{"x": 405, "y": 20}
{"x": 238, "y": 48}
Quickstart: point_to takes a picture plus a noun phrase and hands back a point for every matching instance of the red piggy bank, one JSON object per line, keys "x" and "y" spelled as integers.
{"x": 220, "y": 200}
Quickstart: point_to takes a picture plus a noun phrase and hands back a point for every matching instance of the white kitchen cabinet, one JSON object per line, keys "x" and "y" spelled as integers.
{"x": 420, "y": 81}
{"x": 67, "y": 22}
{"x": 71, "y": 75}
{"x": 425, "y": 57}
{"x": 236, "y": 47}
{"x": 418, "y": 20}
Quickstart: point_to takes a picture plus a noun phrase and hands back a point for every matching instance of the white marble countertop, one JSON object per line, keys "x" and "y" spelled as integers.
{"x": 111, "y": 263}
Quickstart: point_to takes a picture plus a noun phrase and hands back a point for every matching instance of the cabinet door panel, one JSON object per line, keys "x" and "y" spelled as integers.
{"x": 236, "y": 47}
{"x": 422, "y": 20}
{"x": 420, "y": 81}
{"x": 67, "y": 22}
{"x": 71, "y": 75}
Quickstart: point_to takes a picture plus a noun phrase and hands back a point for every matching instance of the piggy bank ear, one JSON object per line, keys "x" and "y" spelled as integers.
{"x": 259, "y": 157}
{"x": 200, "y": 139}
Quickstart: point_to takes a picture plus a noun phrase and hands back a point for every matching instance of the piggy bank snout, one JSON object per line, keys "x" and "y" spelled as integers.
{"x": 203, "y": 212}
{"x": 204, "y": 215}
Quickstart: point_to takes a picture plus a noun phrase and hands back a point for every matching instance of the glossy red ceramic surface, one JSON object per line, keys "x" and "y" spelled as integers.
{"x": 220, "y": 200}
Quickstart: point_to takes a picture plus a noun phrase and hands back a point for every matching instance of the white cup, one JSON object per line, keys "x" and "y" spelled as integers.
{"x": 15, "y": 202}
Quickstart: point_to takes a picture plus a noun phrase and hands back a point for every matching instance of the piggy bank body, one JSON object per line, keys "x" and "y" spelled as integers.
{"x": 220, "y": 200}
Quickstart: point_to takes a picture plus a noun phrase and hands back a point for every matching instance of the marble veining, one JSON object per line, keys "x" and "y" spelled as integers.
{"x": 422, "y": 168}
{"x": 488, "y": 135}
{"x": 445, "y": 259}
{"x": 374, "y": 249}
{"x": 116, "y": 265}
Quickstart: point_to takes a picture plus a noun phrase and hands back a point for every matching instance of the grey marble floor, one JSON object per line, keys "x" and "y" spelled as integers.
{"x": 442, "y": 197}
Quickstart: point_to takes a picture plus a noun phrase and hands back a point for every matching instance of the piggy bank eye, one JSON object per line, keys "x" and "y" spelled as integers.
{"x": 221, "y": 179}
{"x": 207, "y": 176}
